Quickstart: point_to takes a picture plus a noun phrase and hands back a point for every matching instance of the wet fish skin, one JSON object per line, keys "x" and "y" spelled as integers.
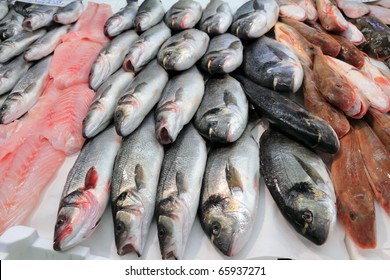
{"x": 70, "y": 13}
{"x": 134, "y": 186}
{"x": 11, "y": 72}
{"x": 178, "y": 191}
{"x": 353, "y": 34}
{"x": 380, "y": 123}
{"x": 224, "y": 54}
{"x": 122, "y": 20}
{"x": 24, "y": 9}
{"x": 353, "y": 9}
{"x": 330, "y": 16}
{"x": 290, "y": 9}
{"x": 41, "y": 17}
{"x": 149, "y": 13}
{"x": 216, "y": 18}
{"x": 183, "y": 14}
{"x": 11, "y": 25}
{"x": 349, "y": 52}
{"x": 3, "y": 9}
{"x": 223, "y": 113}
{"x": 310, "y": 7}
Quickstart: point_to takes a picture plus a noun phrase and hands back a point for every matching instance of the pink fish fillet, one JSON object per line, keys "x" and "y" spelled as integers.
{"x": 382, "y": 13}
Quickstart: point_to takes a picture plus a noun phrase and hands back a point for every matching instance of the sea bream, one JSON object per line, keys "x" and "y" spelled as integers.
{"x": 183, "y": 14}
{"x": 122, "y": 20}
{"x": 11, "y": 72}
{"x": 87, "y": 191}
{"x": 134, "y": 187}
{"x": 40, "y": 17}
{"x": 11, "y": 25}
{"x": 216, "y": 17}
{"x": 69, "y": 13}
{"x": 149, "y": 14}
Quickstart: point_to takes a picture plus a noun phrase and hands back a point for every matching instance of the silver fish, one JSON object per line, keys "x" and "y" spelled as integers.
{"x": 41, "y": 17}
{"x": 299, "y": 183}
{"x": 255, "y": 18}
{"x": 87, "y": 190}
{"x": 224, "y": 54}
{"x": 134, "y": 186}
{"x": 101, "y": 111}
{"x": 26, "y": 92}
{"x": 3, "y": 8}
{"x": 24, "y": 8}
{"x": 183, "y": 14}
{"x": 144, "y": 92}
{"x": 18, "y": 44}
{"x": 180, "y": 100}
{"x": 46, "y": 44}
{"x": 216, "y": 18}
{"x": 183, "y": 50}
{"x": 230, "y": 191}
{"x": 111, "y": 58}
{"x": 149, "y": 14}
{"x": 223, "y": 113}
{"x": 122, "y": 20}
{"x": 11, "y": 25}
{"x": 146, "y": 47}
{"x": 70, "y": 13}
{"x": 178, "y": 191}
{"x": 11, "y": 72}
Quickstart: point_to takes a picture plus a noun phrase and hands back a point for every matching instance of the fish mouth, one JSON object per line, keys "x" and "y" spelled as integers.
{"x": 127, "y": 249}
{"x": 164, "y": 136}
{"x": 170, "y": 256}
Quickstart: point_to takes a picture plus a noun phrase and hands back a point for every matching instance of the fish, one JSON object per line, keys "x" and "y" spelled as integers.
{"x": 40, "y": 17}
{"x": 383, "y": 3}
{"x": 146, "y": 47}
{"x": 111, "y": 58}
{"x": 224, "y": 54}
{"x": 355, "y": 199}
{"x": 26, "y": 92}
{"x": 223, "y": 113}
{"x": 380, "y": 13}
{"x": 272, "y": 65}
{"x": 381, "y": 65}
{"x": 134, "y": 187}
{"x": 179, "y": 102}
{"x": 375, "y": 74}
{"x": 349, "y": 52}
{"x": 310, "y": 8}
{"x": 353, "y": 9}
{"x": 46, "y": 44}
{"x": 183, "y": 14}
{"x": 101, "y": 110}
{"x": 330, "y": 16}
{"x": 122, "y": 20}
{"x": 69, "y": 13}
{"x": 183, "y": 50}
{"x": 11, "y": 72}
{"x": 353, "y": 34}
{"x": 135, "y": 103}
{"x": 87, "y": 191}
{"x": 254, "y": 18}
{"x": 18, "y": 44}
{"x": 3, "y": 9}
{"x": 216, "y": 18}
{"x": 230, "y": 191}
{"x": 11, "y": 25}
{"x": 290, "y": 117}
{"x": 149, "y": 13}
{"x": 300, "y": 185}
{"x": 380, "y": 124}
{"x": 178, "y": 191}
{"x": 290, "y": 9}
{"x": 24, "y": 8}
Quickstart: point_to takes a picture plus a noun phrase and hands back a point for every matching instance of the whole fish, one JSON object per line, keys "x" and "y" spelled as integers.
{"x": 230, "y": 191}
{"x": 255, "y": 18}
{"x": 272, "y": 65}
{"x": 353, "y": 9}
{"x": 349, "y": 52}
{"x": 149, "y": 14}
{"x": 380, "y": 123}
{"x": 224, "y": 54}
{"x": 179, "y": 102}
{"x": 18, "y": 44}
{"x": 70, "y": 13}
{"x": 11, "y": 72}
{"x": 310, "y": 8}
{"x": 353, "y": 34}
{"x": 375, "y": 74}
{"x": 134, "y": 186}
{"x": 178, "y": 191}
{"x": 183, "y": 14}
{"x": 3, "y": 9}
{"x": 26, "y": 92}
{"x": 330, "y": 16}
{"x": 101, "y": 110}
{"x": 46, "y": 44}
{"x": 87, "y": 191}
{"x": 146, "y": 47}
{"x": 40, "y": 17}
{"x": 290, "y": 117}
{"x": 223, "y": 114}
{"x": 122, "y": 20}
{"x": 11, "y": 25}
{"x": 183, "y": 50}
{"x": 135, "y": 103}
{"x": 300, "y": 185}
{"x": 111, "y": 58}
{"x": 290, "y": 9}
{"x": 216, "y": 18}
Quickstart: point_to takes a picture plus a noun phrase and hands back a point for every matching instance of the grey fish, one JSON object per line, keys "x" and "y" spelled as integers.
{"x": 149, "y": 14}
{"x": 18, "y": 44}
{"x": 183, "y": 50}
{"x": 134, "y": 187}
{"x": 111, "y": 58}
{"x": 230, "y": 191}
{"x": 70, "y": 13}
{"x": 223, "y": 113}
{"x": 11, "y": 25}
{"x": 299, "y": 183}
{"x": 216, "y": 18}
{"x": 101, "y": 110}
{"x": 183, "y": 14}
{"x": 87, "y": 190}
{"x": 26, "y": 92}
{"x": 178, "y": 191}
{"x": 146, "y": 47}
{"x": 122, "y": 20}
{"x": 180, "y": 100}
{"x": 46, "y": 44}
{"x": 224, "y": 54}
{"x": 143, "y": 93}
{"x": 11, "y": 72}
{"x": 255, "y": 18}
{"x": 41, "y": 17}
{"x": 24, "y": 8}
{"x": 3, "y": 8}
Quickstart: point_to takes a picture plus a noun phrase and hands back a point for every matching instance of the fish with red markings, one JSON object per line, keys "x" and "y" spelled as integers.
{"x": 380, "y": 123}
{"x": 349, "y": 53}
{"x": 330, "y": 16}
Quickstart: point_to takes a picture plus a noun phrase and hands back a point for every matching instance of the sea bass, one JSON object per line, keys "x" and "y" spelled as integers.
{"x": 216, "y": 18}
{"x": 11, "y": 25}
{"x": 183, "y": 14}
{"x": 149, "y": 14}
{"x": 122, "y": 20}
{"x": 290, "y": 9}
{"x": 40, "y": 17}
{"x": 11, "y": 72}
{"x": 70, "y": 13}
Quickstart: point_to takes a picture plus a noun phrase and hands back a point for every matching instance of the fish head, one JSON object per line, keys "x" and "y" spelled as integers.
{"x": 171, "y": 236}
{"x": 95, "y": 120}
{"x": 251, "y": 25}
{"x": 125, "y": 116}
{"x": 167, "y": 126}
{"x": 114, "y": 25}
{"x": 9, "y": 111}
{"x": 142, "y": 20}
{"x": 5, "y": 52}
{"x": 174, "y": 58}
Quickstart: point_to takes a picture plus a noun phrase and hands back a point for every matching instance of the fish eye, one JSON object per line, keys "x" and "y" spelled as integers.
{"x": 60, "y": 222}
{"x": 213, "y": 124}
{"x": 216, "y": 228}
{"x": 119, "y": 228}
{"x": 307, "y": 216}
{"x": 161, "y": 232}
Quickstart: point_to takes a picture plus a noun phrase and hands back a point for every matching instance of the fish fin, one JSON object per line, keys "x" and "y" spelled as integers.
{"x": 180, "y": 183}
{"x": 221, "y": 9}
{"x": 312, "y": 172}
{"x": 91, "y": 179}
{"x": 105, "y": 91}
{"x": 257, "y": 5}
{"x": 139, "y": 177}
{"x": 7, "y": 74}
{"x": 233, "y": 178}
{"x": 179, "y": 95}
{"x": 29, "y": 87}
{"x": 188, "y": 36}
{"x": 236, "y": 45}
{"x": 229, "y": 98}
{"x": 139, "y": 87}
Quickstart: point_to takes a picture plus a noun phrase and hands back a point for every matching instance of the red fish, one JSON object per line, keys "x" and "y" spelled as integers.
{"x": 349, "y": 52}
{"x": 380, "y": 123}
